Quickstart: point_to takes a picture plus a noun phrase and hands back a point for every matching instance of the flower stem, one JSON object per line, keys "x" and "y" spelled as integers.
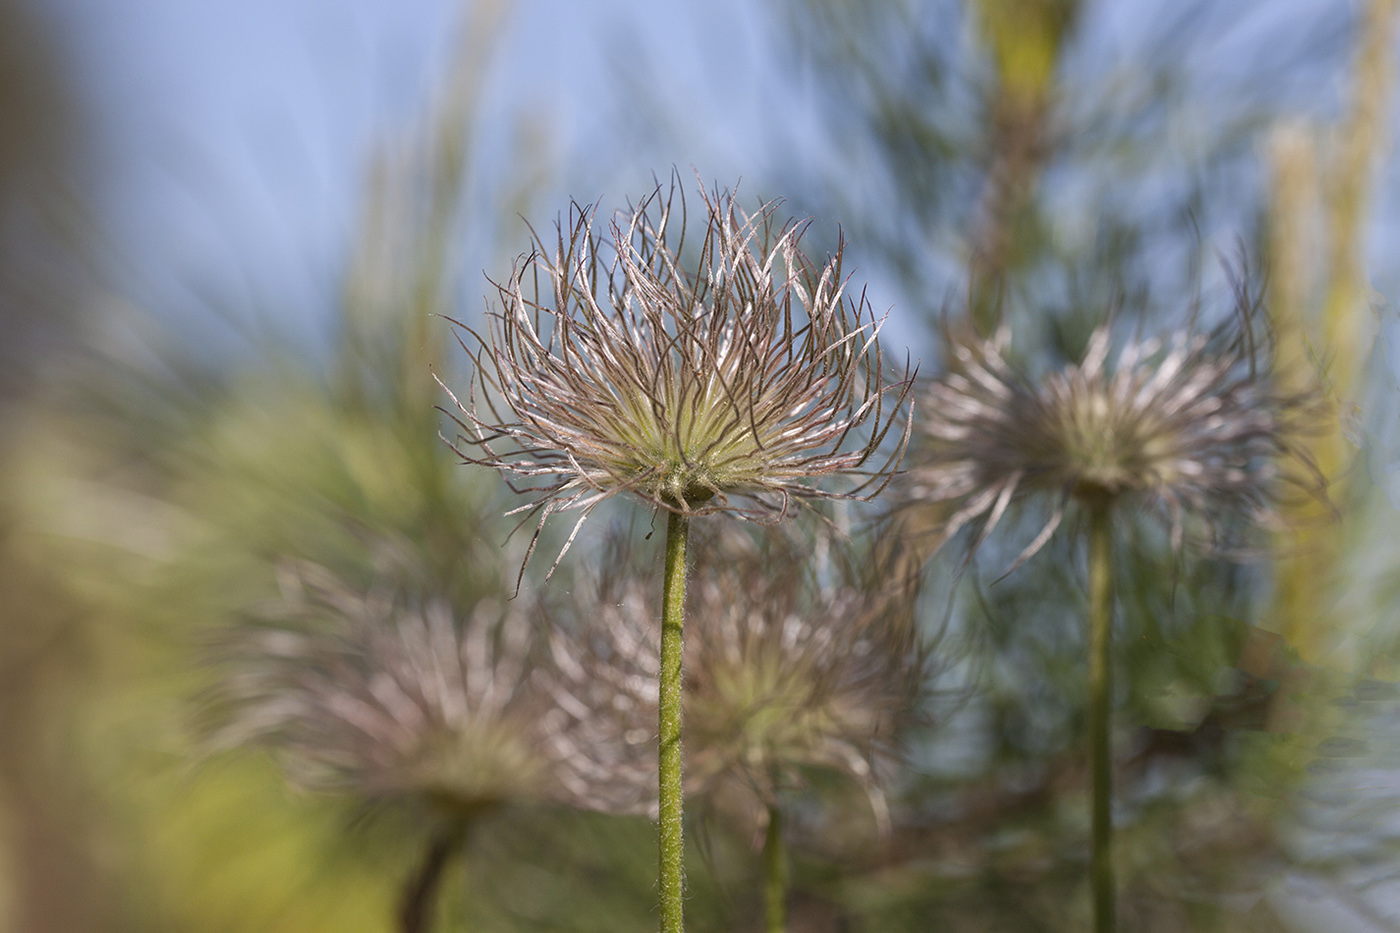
{"x": 1100, "y": 703}
{"x": 775, "y": 874}
{"x": 671, "y": 875}
{"x": 420, "y": 893}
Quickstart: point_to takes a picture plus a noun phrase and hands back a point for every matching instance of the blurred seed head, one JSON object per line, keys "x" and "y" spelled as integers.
{"x": 384, "y": 696}
{"x": 793, "y": 663}
{"x": 1193, "y": 427}
{"x": 728, "y": 378}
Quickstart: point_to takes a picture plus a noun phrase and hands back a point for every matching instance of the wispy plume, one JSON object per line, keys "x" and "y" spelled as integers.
{"x": 794, "y": 665}
{"x": 727, "y": 375}
{"x": 386, "y": 696}
{"x": 731, "y": 377}
{"x": 1193, "y": 427}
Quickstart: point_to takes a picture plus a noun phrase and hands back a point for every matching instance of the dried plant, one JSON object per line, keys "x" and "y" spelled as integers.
{"x": 1197, "y": 429}
{"x": 784, "y": 672}
{"x": 788, "y": 671}
{"x": 383, "y": 696}
{"x": 727, "y": 380}
{"x": 724, "y": 381}
{"x": 388, "y": 698}
{"x": 1194, "y": 427}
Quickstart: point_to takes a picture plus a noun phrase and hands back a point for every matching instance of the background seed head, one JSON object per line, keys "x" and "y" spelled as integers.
{"x": 793, "y": 663}
{"x": 384, "y": 696}
{"x": 1194, "y": 427}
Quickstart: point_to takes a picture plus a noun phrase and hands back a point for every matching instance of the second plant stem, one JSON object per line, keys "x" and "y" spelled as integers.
{"x": 1100, "y": 706}
{"x": 670, "y": 831}
{"x": 420, "y": 894}
{"x": 775, "y": 874}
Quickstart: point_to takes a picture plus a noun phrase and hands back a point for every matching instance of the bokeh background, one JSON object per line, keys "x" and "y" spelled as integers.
{"x": 225, "y": 232}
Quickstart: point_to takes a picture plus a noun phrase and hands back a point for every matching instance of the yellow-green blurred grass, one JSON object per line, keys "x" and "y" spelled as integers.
{"x": 1322, "y": 331}
{"x": 272, "y": 469}
{"x": 153, "y": 552}
{"x": 228, "y": 849}
{"x": 152, "y": 505}
{"x": 1024, "y": 40}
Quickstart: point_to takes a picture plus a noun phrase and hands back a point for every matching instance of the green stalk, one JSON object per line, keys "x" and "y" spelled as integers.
{"x": 1100, "y": 703}
{"x": 420, "y": 893}
{"x": 671, "y": 874}
{"x": 775, "y": 874}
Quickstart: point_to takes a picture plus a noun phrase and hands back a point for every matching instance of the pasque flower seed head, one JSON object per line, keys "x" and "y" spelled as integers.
{"x": 785, "y": 671}
{"x": 1194, "y": 427}
{"x": 724, "y": 378}
{"x": 384, "y": 696}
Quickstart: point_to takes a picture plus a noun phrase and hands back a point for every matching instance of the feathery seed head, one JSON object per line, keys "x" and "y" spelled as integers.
{"x": 784, "y": 672}
{"x": 1194, "y": 427}
{"x": 384, "y": 697}
{"x": 728, "y": 378}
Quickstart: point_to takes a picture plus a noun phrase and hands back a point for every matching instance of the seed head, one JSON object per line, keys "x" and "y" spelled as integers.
{"x": 785, "y": 673}
{"x": 383, "y": 696}
{"x": 1193, "y": 427}
{"x": 728, "y": 378}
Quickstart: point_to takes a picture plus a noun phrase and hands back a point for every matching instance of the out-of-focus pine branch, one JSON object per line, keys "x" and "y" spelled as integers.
{"x": 1331, "y": 342}
{"x": 403, "y": 265}
{"x": 1025, "y": 40}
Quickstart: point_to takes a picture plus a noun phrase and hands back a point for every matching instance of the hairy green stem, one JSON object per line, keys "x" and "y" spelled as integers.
{"x": 1100, "y": 704}
{"x": 775, "y": 874}
{"x": 420, "y": 893}
{"x": 671, "y": 875}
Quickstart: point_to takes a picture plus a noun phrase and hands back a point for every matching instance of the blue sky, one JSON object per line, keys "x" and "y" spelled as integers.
{"x": 231, "y": 140}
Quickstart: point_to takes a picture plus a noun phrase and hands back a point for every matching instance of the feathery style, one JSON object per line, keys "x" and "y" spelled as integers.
{"x": 391, "y": 699}
{"x": 1193, "y": 427}
{"x": 384, "y": 697}
{"x": 784, "y": 672}
{"x": 728, "y": 377}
